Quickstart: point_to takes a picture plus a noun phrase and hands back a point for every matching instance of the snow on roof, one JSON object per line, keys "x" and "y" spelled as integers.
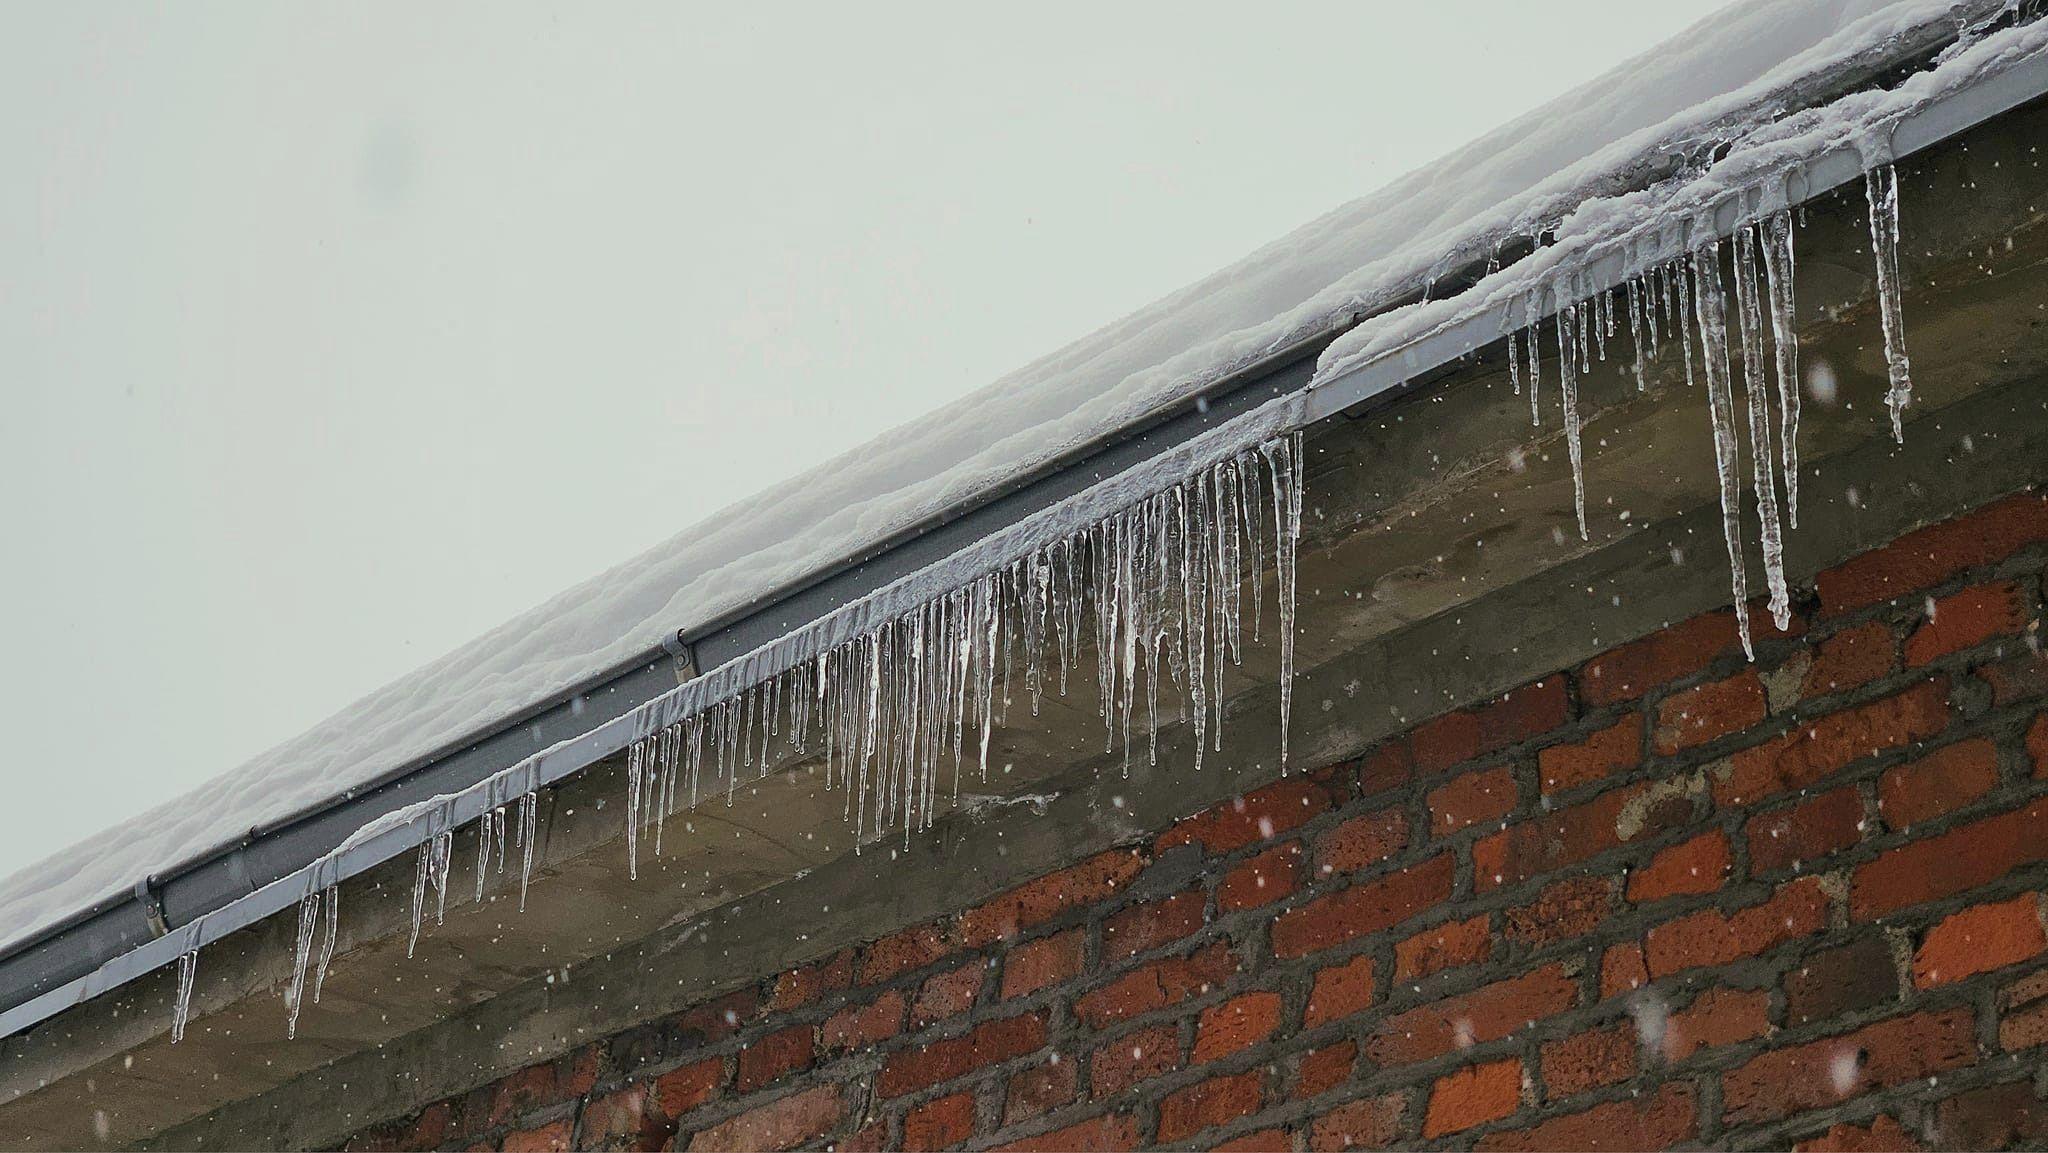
{"x": 1741, "y": 67}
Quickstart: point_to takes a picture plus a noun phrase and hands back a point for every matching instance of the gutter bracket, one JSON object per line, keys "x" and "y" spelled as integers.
{"x": 152, "y": 905}
{"x": 680, "y": 652}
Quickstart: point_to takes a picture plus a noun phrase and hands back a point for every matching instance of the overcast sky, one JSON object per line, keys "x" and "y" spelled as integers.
{"x": 334, "y": 336}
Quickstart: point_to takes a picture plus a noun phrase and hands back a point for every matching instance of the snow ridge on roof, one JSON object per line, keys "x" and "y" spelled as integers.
{"x": 1740, "y": 68}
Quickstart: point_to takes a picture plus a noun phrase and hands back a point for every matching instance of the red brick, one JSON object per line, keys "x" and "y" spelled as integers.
{"x": 1715, "y": 1018}
{"x": 1444, "y": 947}
{"x": 801, "y": 986}
{"x": 1035, "y": 902}
{"x": 553, "y": 1137}
{"x": 1957, "y": 861}
{"x": 1206, "y": 1104}
{"x": 1324, "y": 1069}
{"x": 1858, "y": 975}
{"x": 1262, "y": 880}
{"x": 1339, "y": 991}
{"x": 939, "y": 1124}
{"x": 1940, "y": 782}
{"x": 1132, "y": 1058}
{"x": 947, "y": 994}
{"x": 1374, "y": 1123}
{"x": 1366, "y": 908}
{"x": 1468, "y": 734}
{"x": 1688, "y": 868}
{"x": 1256, "y": 816}
{"x": 1706, "y": 712}
{"x": 1711, "y": 937}
{"x": 1113, "y": 1133}
{"x": 1657, "y": 1121}
{"x": 1824, "y": 745}
{"x": 1235, "y": 1025}
{"x": 1614, "y": 749}
{"x": 1388, "y": 767}
{"x": 1567, "y": 836}
{"x": 900, "y": 952}
{"x": 872, "y": 1137}
{"x": 1622, "y": 969}
{"x": 430, "y": 1128}
{"x": 1470, "y": 799}
{"x": 1801, "y": 833}
{"x": 780, "y": 1124}
{"x": 1039, "y": 1090}
{"x": 1044, "y": 962}
{"x": 2006, "y": 1116}
{"x": 1978, "y": 940}
{"x": 1157, "y": 985}
{"x": 2037, "y": 744}
{"x": 1262, "y": 1141}
{"x": 859, "y": 1026}
{"x": 1564, "y": 909}
{"x": 1473, "y": 1096}
{"x": 1142, "y": 928}
{"x": 778, "y": 1054}
{"x": 1484, "y": 1014}
{"x": 1850, "y": 659}
{"x": 1883, "y": 1135}
{"x": 622, "y": 1120}
{"x": 908, "y": 1070}
{"x": 1967, "y": 618}
{"x": 2023, "y": 1012}
{"x": 1932, "y": 555}
{"x": 1589, "y": 1060}
{"x": 538, "y": 1086}
{"x": 680, "y": 1090}
{"x": 1362, "y": 842}
{"x": 1828, "y": 1071}
{"x": 1628, "y": 672}
{"x": 2017, "y": 678}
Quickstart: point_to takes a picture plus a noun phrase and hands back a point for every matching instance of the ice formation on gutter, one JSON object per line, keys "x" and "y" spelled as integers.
{"x": 898, "y": 693}
{"x": 906, "y": 702}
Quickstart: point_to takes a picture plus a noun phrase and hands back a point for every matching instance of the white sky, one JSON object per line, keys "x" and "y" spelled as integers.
{"x": 332, "y": 337}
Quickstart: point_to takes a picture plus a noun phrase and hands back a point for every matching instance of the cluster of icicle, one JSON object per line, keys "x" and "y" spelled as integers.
{"x": 1672, "y": 300}
{"x": 900, "y": 713}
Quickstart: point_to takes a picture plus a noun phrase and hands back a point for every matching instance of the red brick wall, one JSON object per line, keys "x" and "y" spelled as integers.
{"x": 1663, "y": 897}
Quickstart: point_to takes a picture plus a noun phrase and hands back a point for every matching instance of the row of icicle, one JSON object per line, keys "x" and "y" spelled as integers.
{"x": 899, "y": 714}
{"x": 1667, "y": 304}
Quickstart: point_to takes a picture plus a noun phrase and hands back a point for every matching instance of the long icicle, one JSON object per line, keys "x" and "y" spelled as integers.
{"x": 1713, "y": 325}
{"x": 1881, "y": 188}
{"x": 1757, "y": 399}
{"x": 1780, "y": 270}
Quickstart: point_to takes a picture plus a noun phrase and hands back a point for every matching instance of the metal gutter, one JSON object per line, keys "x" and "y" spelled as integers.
{"x": 125, "y": 938}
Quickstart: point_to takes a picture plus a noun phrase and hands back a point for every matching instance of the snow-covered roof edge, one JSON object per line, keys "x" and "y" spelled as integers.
{"x": 1355, "y": 260}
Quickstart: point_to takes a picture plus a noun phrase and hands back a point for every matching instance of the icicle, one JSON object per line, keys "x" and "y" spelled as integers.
{"x": 327, "y": 943}
{"x": 1532, "y": 312}
{"x": 1881, "y": 187}
{"x": 181, "y": 1008}
{"x": 1757, "y": 399}
{"x": 636, "y": 768}
{"x": 444, "y": 848}
{"x": 1779, "y": 271}
{"x": 1569, "y": 319}
{"x": 302, "y": 952}
{"x": 1515, "y": 361}
{"x": 1713, "y": 324}
{"x": 419, "y": 892}
{"x": 1636, "y": 333}
{"x": 529, "y": 806}
{"x": 483, "y": 852}
{"x": 1283, "y": 460}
